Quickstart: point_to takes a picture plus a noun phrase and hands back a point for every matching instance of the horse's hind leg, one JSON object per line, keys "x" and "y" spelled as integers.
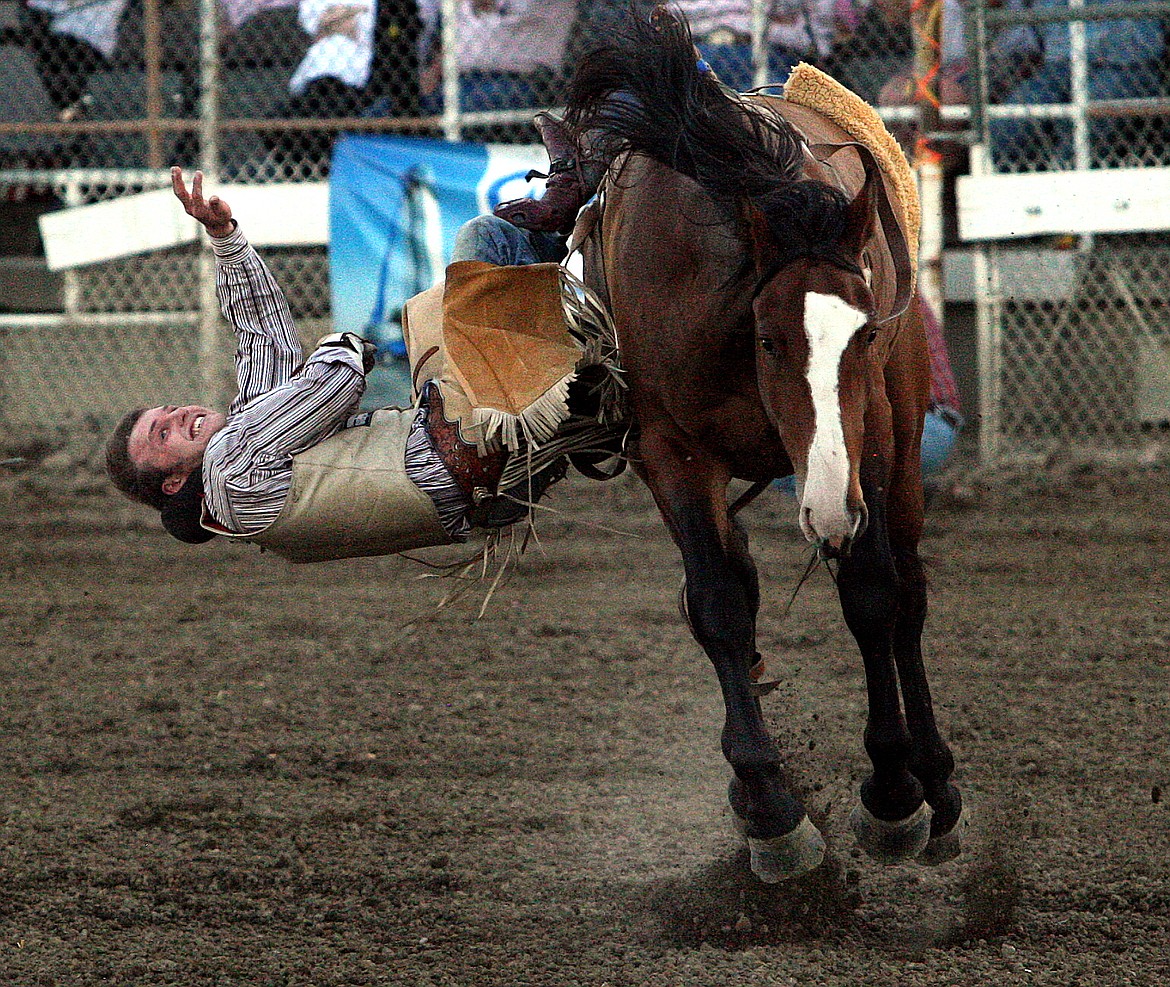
{"x": 722, "y": 598}
{"x": 893, "y": 822}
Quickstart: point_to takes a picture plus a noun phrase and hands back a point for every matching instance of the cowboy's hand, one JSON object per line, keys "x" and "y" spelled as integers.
{"x": 213, "y": 213}
{"x": 355, "y": 344}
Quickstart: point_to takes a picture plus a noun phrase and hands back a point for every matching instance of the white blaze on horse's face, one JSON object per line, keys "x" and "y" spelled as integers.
{"x": 825, "y": 515}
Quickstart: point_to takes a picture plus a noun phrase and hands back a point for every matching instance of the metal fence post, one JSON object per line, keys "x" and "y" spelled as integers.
{"x": 1079, "y": 87}
{"x": 71, "y": 196}
{"x": 926, "y": 21}
{"x": 452, "y": 111}
{"x": 210, "y": 347}
{"x": 152, "y": 29}
{"x": 759, "y": 43}
{"x": 989, "y": 327}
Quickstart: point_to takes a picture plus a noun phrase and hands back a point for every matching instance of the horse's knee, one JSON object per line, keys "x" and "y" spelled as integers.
{"x": 721, "y": 616}
{"x": 869, "y": 602}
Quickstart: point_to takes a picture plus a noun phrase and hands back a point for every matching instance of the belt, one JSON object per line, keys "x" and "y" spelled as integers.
{"x": 949, "y": 415}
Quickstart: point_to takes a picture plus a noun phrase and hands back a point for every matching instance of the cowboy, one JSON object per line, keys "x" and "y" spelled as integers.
{"x": 292, "y": 465}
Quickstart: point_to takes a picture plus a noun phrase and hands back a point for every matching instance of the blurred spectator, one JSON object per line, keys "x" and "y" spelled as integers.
{"x": 355, "y": 43}
{"x": 70, "y": 42}
{"x": 886, "y": 76}
{"x": 797, "y": 30}
{"x": 238, "y": 12}
{"x": 362, "y": 52}
{"x": 337, "y": 66}
{"x": 511, "y": 52}
{"x": 395, "y": 70}
{"x": 1124, "y": 61}
{"x": 875, "y": 50}
{"x": 363, "y": 61}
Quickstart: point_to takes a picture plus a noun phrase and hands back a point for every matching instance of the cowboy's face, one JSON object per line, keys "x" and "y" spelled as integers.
{"x": 173, "y": 440}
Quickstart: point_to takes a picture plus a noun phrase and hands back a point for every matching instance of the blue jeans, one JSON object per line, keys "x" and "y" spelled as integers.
{"x": 497, "y": 241}
{"x": 481, "y": 90}
{"x": 939, "y": 433}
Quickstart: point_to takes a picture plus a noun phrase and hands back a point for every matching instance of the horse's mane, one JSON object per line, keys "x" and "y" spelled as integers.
{"x": 639, "y": 90}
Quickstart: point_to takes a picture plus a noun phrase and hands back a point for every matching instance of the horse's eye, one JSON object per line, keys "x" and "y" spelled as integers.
{"x": 870, "y": 335}
{"x": 767, "y": 344}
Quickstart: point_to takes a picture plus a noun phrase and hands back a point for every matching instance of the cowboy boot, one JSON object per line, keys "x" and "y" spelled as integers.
{"x": 572, "y": 179}
{"x": 478, "y": 477}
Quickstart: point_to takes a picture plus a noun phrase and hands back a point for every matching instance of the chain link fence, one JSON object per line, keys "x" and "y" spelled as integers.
{"x": 103, "y": 95}
{"x": 1073, "y": 85}
{"x": 1086, "y": 370}
{"x": 1075, "y": 332}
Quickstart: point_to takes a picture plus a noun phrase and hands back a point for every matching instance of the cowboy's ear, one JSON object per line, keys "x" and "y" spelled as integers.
{"x": 861, "y": 213}
{"x": 174, "y": 483}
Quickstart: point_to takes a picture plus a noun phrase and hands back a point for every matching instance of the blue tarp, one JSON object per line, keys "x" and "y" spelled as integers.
{"x": 395, "y": 205}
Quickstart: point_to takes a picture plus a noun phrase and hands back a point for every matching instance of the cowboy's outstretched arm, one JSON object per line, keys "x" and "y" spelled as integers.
{"x": 268, "y": 349}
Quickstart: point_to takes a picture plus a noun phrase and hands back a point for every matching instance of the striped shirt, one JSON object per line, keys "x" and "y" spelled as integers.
{"x": 285, "y": 406}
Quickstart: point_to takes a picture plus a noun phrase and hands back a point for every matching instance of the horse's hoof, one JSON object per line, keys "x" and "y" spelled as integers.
{"x": 782, "y": 858}
{"x": 892, "y": 842}
{"x": 947, "y": 846}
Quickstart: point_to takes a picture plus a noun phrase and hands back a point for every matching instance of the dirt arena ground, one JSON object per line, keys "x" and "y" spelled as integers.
{"x": 221, "y": 769}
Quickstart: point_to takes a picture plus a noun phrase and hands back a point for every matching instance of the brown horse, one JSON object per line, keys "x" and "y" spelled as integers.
{"x": 758, "y": 297}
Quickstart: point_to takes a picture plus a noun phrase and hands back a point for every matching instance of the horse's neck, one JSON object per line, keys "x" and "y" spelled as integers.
{"x": 672, "y": 225}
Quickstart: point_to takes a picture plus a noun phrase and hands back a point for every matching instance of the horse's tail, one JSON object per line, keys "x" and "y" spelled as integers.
{"x": 642, "y": 90}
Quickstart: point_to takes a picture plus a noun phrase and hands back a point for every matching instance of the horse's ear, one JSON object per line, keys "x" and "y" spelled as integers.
{"x": 861, "y": 213}
{"x": 764, "y": 249}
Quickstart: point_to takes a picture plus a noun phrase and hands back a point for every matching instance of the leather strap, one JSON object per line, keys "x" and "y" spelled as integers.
{"x": 895, "y": 237}
{"x": 419, "y": 364}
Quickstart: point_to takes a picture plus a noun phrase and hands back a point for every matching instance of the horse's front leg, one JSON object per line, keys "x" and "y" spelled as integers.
{"x": 722, "y": 599}
{"x": 893, "y": 821}
{"x": 931, "y": 761}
